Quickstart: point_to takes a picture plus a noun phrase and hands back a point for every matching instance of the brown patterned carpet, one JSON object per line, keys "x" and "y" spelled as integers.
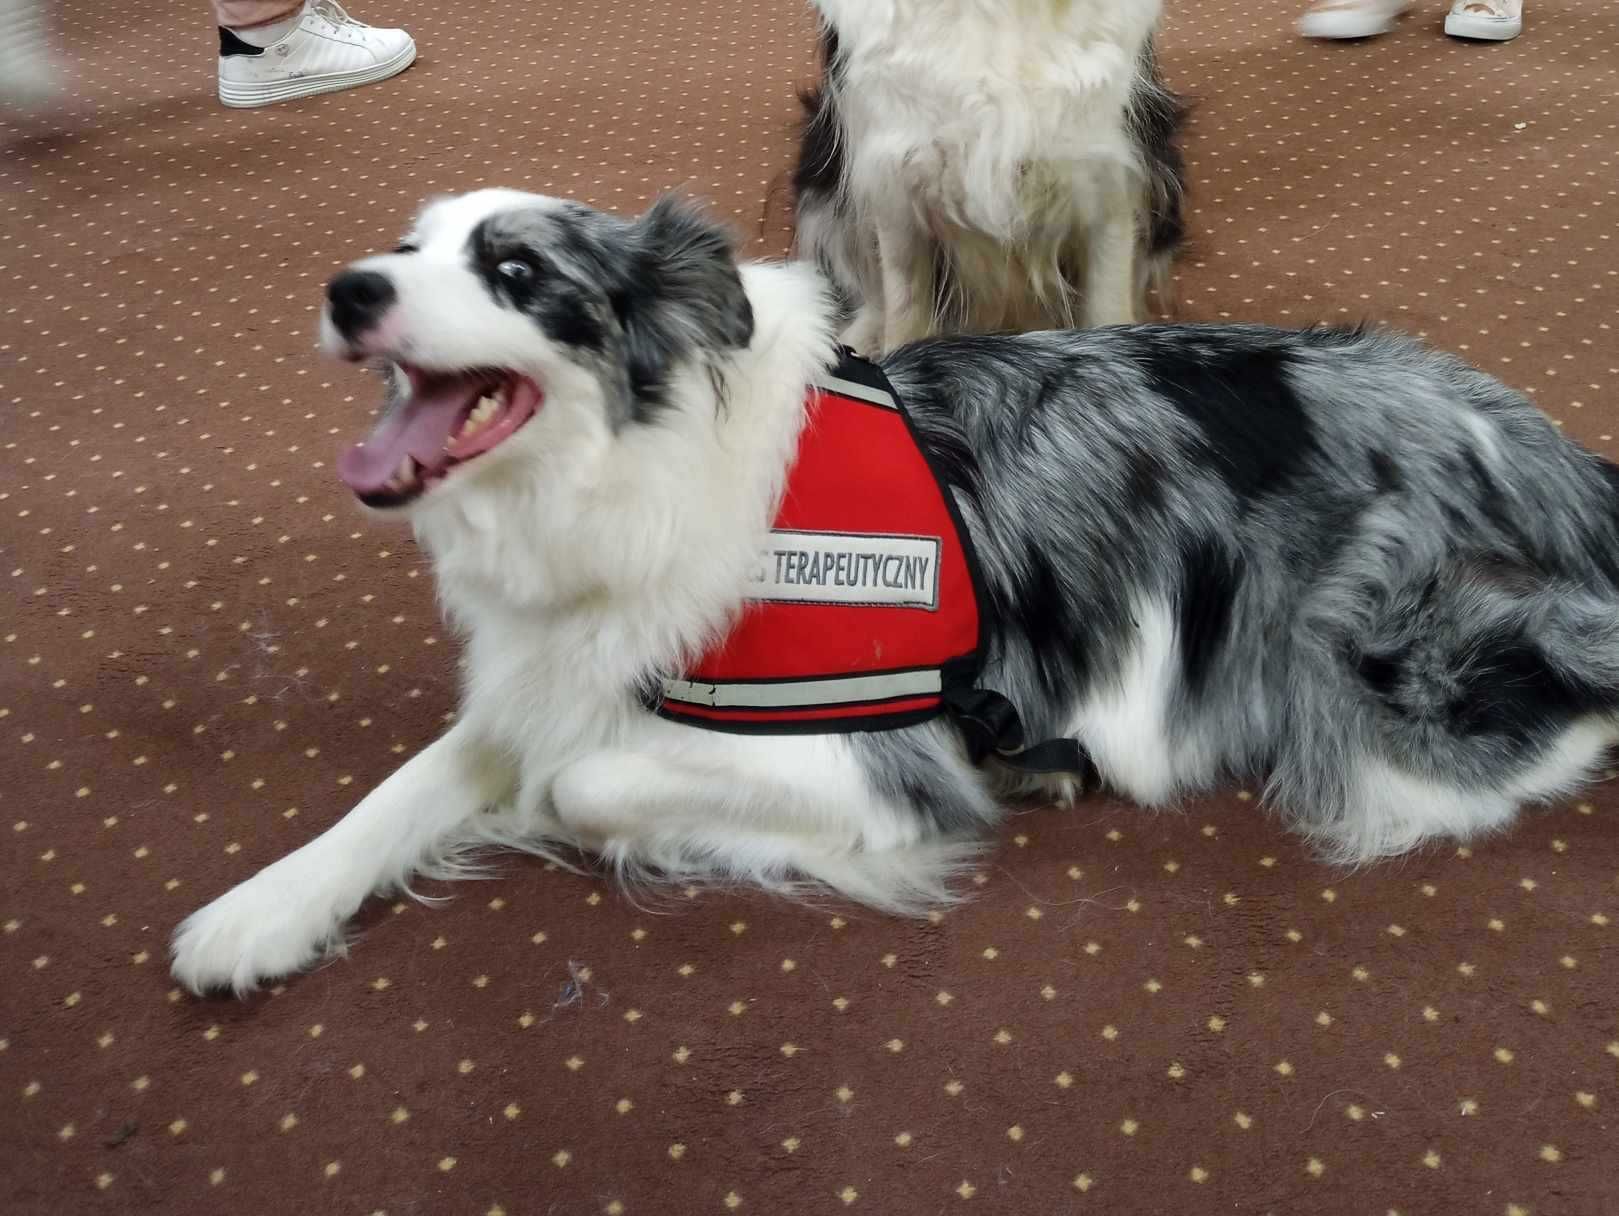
{"x": 207, "y": 656}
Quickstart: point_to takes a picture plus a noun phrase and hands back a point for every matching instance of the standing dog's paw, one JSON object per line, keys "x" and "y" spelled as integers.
{"x": 265, "y": 928}
{"x": 864, "y": 334}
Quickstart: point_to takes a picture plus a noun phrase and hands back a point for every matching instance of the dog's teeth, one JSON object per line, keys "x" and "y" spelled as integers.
{"x": 480, "y": 417}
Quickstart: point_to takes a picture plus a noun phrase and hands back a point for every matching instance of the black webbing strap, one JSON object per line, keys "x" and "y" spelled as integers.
{"x": 991, "y": 727}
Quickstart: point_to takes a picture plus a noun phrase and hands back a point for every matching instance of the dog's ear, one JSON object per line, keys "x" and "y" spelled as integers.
{"x": 685, "y": 297}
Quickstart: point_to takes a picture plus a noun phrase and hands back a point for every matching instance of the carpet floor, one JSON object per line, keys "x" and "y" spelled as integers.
{"x": 208, "y": 655}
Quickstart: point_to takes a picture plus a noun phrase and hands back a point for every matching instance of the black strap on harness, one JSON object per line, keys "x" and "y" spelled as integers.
{"x": 991, "y": 727}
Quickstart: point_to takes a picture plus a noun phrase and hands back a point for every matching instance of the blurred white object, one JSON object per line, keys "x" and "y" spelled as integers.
{"x": 29, "y": 76}
{"x": 1351, "y": 18}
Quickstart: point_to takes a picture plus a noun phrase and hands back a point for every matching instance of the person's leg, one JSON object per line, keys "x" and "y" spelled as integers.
{"x": 1351, "y": 18}
{"x": 1487, "y": 20}
{"x": 270, "y": 51}
{"x": 239, "y": 14}
{"x": 257, "y": 23}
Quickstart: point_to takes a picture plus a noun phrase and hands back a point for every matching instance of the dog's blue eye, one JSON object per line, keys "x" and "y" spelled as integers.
{"x": 515, "y": 270}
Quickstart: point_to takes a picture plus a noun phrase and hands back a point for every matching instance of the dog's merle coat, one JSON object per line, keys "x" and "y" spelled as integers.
{"x": 1157, "y": 117}
{"x": 1366, "y": 552}
{"x": 1369, "y": 554}
{"x": 633, "y": 297}
{"x": 1333, "y": 562}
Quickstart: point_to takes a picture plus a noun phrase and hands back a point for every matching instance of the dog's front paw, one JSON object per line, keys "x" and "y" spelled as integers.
{"x": 262, "y": 929}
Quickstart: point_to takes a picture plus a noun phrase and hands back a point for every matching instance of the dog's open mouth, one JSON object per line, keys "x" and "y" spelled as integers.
{"x": 447, "y": 420}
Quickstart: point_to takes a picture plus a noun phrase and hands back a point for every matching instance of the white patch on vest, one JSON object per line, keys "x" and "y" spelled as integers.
{"x": 860, "y": 392}
{"x": 860, "y": 569}
{"x": 801, "y": 694}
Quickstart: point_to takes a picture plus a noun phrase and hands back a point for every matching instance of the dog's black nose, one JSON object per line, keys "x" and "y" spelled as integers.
{"x": 358, "y": 299}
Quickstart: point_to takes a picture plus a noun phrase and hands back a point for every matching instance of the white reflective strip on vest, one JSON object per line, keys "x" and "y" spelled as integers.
{"x": 848, "y": 388}
{"x": 800, "y": 694}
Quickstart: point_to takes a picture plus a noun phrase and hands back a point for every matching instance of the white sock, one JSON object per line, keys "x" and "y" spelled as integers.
{"x": 274, "y": 31}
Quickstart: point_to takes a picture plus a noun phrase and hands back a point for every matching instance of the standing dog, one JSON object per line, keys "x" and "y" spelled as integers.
{"x": 1334, "y": 560}
{"x": 986, "y": 165}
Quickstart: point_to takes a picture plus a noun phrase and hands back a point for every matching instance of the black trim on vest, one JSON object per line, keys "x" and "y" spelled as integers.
{"x": 969, "y": 551}
{"x": 853, "y": 368}
{"x": 990, "y": 725}
{"x": 230, "y": 44}
{"x": 804, "y": 726}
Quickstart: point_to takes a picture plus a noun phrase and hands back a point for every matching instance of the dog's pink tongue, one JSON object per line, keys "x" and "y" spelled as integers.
{"x": 420, "y": 427}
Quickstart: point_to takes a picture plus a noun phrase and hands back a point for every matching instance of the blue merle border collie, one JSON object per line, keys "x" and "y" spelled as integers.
{"x": 1355, "y": 571}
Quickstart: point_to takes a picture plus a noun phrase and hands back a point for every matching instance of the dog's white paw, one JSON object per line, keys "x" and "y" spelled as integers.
{"x": 267, "y": 927}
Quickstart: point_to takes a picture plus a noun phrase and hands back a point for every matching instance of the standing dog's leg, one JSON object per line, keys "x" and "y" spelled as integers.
{"x": 905, "y": 256}
{"x": 1110, "y": 275}
{"x": 292, "y": 912}
{"x": 864, "y": 334}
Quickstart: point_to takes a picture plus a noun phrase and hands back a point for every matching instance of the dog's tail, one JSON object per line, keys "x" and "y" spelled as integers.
{"x": 1157, "y": 119}
{"x": 1157, "y": 281}
{"x": 1440, "y": 708}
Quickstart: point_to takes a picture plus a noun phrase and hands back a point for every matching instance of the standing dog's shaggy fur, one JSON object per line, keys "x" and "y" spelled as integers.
{"x": 1333, "y": 560}
{"x": 985, "y": 165}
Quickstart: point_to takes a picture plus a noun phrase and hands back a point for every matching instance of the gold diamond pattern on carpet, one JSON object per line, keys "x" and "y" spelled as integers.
{"x": 206, "y": 655}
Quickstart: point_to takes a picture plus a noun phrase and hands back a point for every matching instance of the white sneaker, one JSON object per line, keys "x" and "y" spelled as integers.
{"x": 1351, "y": 18}
{"x": 1488, "y": 20}
{"x": 326, "y": 51}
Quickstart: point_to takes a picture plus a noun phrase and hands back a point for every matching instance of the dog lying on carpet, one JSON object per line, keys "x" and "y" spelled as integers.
{"x": 1334, "y": 561}
{"x": 970, "y": 168}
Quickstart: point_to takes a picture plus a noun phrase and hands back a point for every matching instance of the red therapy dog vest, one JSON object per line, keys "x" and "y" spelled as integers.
{"x": 863, "y": 610}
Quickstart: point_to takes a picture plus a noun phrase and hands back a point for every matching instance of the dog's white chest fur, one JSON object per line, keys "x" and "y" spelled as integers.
{"x": 998, "y": 119}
